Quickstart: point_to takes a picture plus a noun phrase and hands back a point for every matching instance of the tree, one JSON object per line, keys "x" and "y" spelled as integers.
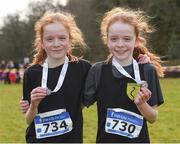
{"x": 13, "y": 37}
{"x": 17, "y": 35}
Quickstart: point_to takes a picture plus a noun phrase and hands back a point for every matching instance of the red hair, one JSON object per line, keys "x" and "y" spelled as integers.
{"x": 140, "y": 23}
{"x": 53, "y": 17}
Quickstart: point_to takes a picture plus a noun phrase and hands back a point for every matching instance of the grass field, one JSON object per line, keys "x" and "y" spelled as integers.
{"x": 166, "y": 129}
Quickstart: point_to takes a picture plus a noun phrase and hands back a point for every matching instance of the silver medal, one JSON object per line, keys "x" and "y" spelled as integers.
{"x": 60, "y": 79}
{"x": 144, "y": 84}
{"x": 49, "y": 92}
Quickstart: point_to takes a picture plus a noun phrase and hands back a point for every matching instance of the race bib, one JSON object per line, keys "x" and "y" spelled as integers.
{"x": 124, "y": 123}
{"x": 132, "y": 90}
{"x": 53, "y": 123}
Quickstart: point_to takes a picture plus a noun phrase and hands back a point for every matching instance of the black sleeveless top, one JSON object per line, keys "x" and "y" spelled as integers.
{"x": 68, "y": 97}
{"x": 111, "y": 93}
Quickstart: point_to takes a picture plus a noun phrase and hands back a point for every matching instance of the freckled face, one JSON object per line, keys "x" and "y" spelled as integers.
{"x": 121, "y": 41}
{"x": 56, "y": 40}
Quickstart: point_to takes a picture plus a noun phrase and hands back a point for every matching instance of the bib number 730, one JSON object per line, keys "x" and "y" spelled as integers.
{"x": 123, "y": 122}
{"x": 123, "y": 126}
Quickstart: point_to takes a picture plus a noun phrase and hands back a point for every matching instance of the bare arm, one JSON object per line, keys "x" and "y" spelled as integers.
{"x": 37, "y": 95}
{"x": 30, "y": 114}
{"x": 24, "y": 105}
{"x": 149, "y": 113}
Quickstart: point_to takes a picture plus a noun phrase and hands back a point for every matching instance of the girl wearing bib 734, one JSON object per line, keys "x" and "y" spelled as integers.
{"x": 54, "y": 83}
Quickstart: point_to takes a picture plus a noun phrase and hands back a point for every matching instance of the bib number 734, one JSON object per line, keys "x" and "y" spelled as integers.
{"x": 52, "y": 123}
{"x": 55, "y": 126}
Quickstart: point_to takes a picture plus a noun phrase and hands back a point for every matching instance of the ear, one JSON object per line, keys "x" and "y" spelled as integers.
{"x": 43, "y": 47}
{"x": 109, "y": 49}
{"x": 107, "y": 43}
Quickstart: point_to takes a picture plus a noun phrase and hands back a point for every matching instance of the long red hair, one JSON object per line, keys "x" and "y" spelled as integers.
{"x": 140, "y": 23}
{"x": 68, "y": 21}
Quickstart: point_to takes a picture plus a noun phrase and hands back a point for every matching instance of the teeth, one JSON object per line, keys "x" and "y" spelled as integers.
{"x": 121, "y": 52}
{"x": 57, "y": 50}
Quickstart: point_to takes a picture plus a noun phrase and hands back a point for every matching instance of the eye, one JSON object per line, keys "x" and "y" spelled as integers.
{"x": 127, "y": 39}
{"x": 114, "y": 39}
{"x": 49, "y": 39}
{"x": 62, "y": 38}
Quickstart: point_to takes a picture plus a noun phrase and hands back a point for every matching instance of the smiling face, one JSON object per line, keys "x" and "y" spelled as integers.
{"x": 56, "y": 41}
{"x": 121, "y": 42}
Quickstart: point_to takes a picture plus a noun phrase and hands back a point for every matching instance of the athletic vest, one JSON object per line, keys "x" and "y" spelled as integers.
{"x": 69, "y": 97}
{"x": 112, "y": 94}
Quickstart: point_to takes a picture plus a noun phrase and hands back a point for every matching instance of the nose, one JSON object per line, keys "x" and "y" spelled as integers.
{"x": 56, "y": 43}
{"x": 120, "y": 43}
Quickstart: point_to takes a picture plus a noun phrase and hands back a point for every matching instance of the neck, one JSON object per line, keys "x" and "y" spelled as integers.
{"x": 52, "y": 63}
{"x": 125, "y": 62}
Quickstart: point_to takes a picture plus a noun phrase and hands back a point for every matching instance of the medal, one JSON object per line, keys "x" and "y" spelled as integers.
{"x": 132, "y": 88}
{"x": 49, "y": 92}
{"x": 144, "y": 84}
{"x": 61, "y": 76}
{"x": 137, "y": 78}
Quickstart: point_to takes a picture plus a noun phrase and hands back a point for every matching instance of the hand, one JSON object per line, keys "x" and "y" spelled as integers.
{"x": 143, "y": 96}
{"x": 143, "y": 58}
{"x": 74, "y": 58}
{"x": 24, "y": 105}
{"x": 37, "y": 95}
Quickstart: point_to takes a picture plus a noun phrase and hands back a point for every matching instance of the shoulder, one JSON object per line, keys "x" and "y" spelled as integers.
{"x": 97, "y": 66}
{"x": 81, "y": 65}
{"x": 149, "y": 67}
{"x": 150, "y": 73}
{"x": 33, "y": 68}
{"x": 84, "y": 62}
{"x": 96, "y": 69}
{"x": 93, "y": 77}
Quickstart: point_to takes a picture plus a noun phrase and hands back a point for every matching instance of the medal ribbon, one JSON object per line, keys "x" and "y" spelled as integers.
{"x": 61, "y": 76}
{"x": 137, "y": 78}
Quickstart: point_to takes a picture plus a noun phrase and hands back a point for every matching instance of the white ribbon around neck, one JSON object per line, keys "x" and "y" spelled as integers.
{"x": 61, "y": 76}
{"x": 137, "y": 78}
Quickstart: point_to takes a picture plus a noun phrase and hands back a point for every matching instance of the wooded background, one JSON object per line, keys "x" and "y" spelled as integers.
{"x": 17, "y": 33}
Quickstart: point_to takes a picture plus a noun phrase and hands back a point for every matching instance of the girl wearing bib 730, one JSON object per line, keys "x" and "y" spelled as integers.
{"x": 127, "y": 93}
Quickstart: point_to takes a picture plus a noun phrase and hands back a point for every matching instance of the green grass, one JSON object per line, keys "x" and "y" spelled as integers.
{"x": 12, "y": 122}
{"x": 166, "y": 129}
